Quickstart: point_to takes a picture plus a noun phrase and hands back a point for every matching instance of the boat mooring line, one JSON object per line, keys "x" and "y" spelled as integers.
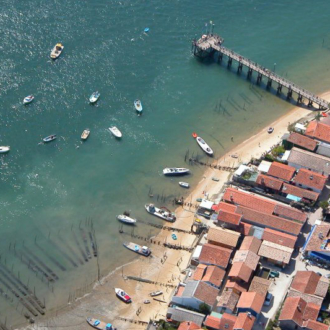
{"x": 83, "y": 235}
{"x": 79, "y": 246}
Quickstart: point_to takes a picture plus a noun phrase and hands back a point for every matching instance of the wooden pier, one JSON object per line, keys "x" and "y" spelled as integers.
{"x": 210, "y": 44}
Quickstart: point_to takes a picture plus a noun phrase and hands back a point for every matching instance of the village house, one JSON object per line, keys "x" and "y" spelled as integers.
{"x": 318, "y": 131}
{"x": 177, "y": 315}
{"x": 211, "y": 275}
{"x": 223, "y": 237}
{"x": 244, "y": 321}
{"x": 302, "y": 141}
{"x": 310, "y": 180}
{"x": 227, "y": 302}
{"x": 215, "y": 255}
{"x": 250, "y": 302}
{"x": 188, "y": 325}
{"x": 281, "y": 171}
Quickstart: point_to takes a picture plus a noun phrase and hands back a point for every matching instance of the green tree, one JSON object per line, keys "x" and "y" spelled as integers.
{"x": 204, "y": 308}
{"x": 324, "y": 205}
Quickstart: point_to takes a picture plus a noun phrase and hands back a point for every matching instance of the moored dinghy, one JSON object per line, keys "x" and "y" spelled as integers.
{"x": 156, "y": 293}
{"x": 56, "y": 51}
{"x": 184, "y": 184}
{"x": 115, "y": 131}
{"x": 121, "y": 294}
{"x": 94, "y": 97}
{"x": 175, "y": 171}
{"x": 4, "y": 149}
{"x": 28, "y": 99}
{"x": 125, "y": 218}
{"x": 138, "y": 106}
{"x": 97, "y": 324}
{"x": 143, "y": 250}
{"x": 85, "y": 134}
{"x": 160, "y": 213}
{"x": 49, "y": 138}
{"x": 206, "y": 148}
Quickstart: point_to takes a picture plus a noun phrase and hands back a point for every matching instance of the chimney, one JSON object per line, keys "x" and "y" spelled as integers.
{"x": 231, "y": 197}
{"x": 299, "y": 308}
{"x": 311, "y": 177}
{"x": 249, "y": 315}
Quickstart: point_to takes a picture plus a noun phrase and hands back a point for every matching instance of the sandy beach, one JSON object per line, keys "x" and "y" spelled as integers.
{"x": 166, "y": 265}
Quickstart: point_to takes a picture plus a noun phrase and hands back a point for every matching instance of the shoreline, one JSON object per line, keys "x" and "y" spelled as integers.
{"x": 165, "y": 265}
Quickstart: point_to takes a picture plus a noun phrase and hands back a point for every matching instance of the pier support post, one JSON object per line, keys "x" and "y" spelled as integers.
{"x": 240, "y": 68}
{"x": 230, "y": 61}
{"x": 300, "y": 99}
{"x": 310, "y": 103}
{"x": 259, "y": 78}
{"x": 269, "y": 83}
{"x": 220, "y": 57}
{"x": 249, "y": 74}
{"x": 289, "y": 95}
{"x": 279, "y": 89}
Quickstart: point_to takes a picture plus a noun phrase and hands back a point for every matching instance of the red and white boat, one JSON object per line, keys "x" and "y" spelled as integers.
{"x": 121, "y": 294}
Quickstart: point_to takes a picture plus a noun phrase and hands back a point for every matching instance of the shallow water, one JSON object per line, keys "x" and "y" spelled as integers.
{"x": 52, "y": 194}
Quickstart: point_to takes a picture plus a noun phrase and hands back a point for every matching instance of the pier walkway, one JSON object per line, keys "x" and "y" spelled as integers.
{"x": 209, "y": 44}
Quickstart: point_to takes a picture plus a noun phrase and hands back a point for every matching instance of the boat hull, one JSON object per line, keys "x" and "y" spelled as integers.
{"x": 175, "y": 171}
{"x": 85, "y": 134}
{"x": 28, "y": 99}
{"x": 126, "y": 219}
{"x": 122, "y": 295}
{"x": 205, "y": 147}
{"x": 115, "y": 132}
{"x": 184, "y": 184}
{"x": 160, "y": 213}
{"x": 96, "y": 324}
{"x": 138, "y": 106}
{"x": 137, "y": 249}
{"x": 4, "y": 150}
{"x": 49, "y": 138}
{"x": 55, "y": 53}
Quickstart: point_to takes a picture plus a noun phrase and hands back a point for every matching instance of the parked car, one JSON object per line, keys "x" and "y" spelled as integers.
{"x": 269, "y": 298}
{"x": 274, "y": 273}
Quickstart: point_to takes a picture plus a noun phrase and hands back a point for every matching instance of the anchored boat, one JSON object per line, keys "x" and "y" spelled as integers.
{"x": 97, "y": 324}
{"x": 49, "y": 138}
{"x": 206, "y": 148}
{"x": 94, "y": 97}
{"x": 28, "y": 99}
{"x": 116, "y": 132}
{"x": 125, "y": 218}
{"x": 143, "y": 250}
{"x": 85, "y": 134}
{"x": 175, "y": 171}
{"x": 162, "y": 213}
{"x": 184, "y": 184}
{"x": 121, "y": 294}
{"x": 138, "y": 106}
{"x": 56, "y": 51}
{"x": 156, "y": 293}
{"x": 4, "y": 149}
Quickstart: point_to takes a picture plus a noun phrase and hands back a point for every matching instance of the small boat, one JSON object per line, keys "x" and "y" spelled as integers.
{"x": 125, "y": 218}
{"x": 146, "y": 30}
{"x": 184, "y": 184}
{"x": 94, "y": 97}
{"x": 85, "y": 134}
{"x": 4, "y": 149}
{"x": 146, "y": 301}
{"x": 56, "y": 51}
{"x": 324, "y": 114}
{"x": 138, "y": 106}
{"x": 156, "y": 293}
{"x": 97, "y": 324}
{"x": 121, "y": 294}
{"x": 175, "y": 171}
{"x": 234, "y": 156}
{"x": 49, "y": 138}
{"x": 28, "y": 99}
{"x": 115, "y": 131}
{"x": 160, "y": 213}
{"x": 206, "y": 148}
{"x": 270, "y": 130}
{"x": 143, "y": 250}
{"x": 174, "y": 237}
{"x": 215, "y": 179}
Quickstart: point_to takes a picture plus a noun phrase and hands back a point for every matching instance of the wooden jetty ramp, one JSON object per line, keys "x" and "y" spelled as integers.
{"x": 210, "y": 44}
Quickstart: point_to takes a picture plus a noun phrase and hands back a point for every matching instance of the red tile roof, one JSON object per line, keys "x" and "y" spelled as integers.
{"x": 250, "y": 258}
{"x": 267, "y": 220}
{"x": 309, "y": 282}
{"x": 214, "y": 275}
{"x": 263, "y": 205}
{"x": 215, "y": 255}
{"x": 314, "y": 325}
{"x": 224, "y": 207}
{"x": 206, "y": 293}
{"x": 199, "y": 272}
{"x": 227, "y": 321}
{"x": 244, "y": 321}
{"x": 188, "y": 325}
{"x": 297, "y": 310}
{"x": 244, "y": 228}
{"x": 281, "y": 171}
{"x": 241, "y": 271}
{"x": 238, "y": 286}
{"x": 318, "y": 131}
{"x": 319, "y": 234}
{"x": 299, "y": 192}
{"x": 229, "y": 217}
{"x": 228, "y": 299}
{"x": 310, "y": 179}
{"x": 251, "y": 300}
{"x": 260, "y": 285}
{"x": 251, "y": 243}
{"x": 302, "y": 141}
{"x": 280, "y": 238}
{"x": 212, "y": 322}
{"x": 224, "y": 237}
{"x": 269, "y": 182}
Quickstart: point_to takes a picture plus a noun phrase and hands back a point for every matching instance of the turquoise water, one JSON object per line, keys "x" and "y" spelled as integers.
{"x": 49, "y": 191}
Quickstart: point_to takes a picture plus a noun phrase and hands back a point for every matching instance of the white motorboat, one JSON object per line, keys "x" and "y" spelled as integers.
{"x": 143, "y": 250}
{"x": 156, "y": 293}
{"x": 85, "y": 134}
{"x": 94, "y": 97}
{"x": 115, "y": 131}
{"x": 206, "y": 148}
{"x": 28, "y": 99}
{"x": 4, "y": 149}
{"x": 270, "y": 130}
{"x": 138, "y": 106}
{"x": 56, "y": 51}
{"x": 126, "y": 219}
{"x": 49, "y": 138}
{"x": 160, "y": 213}
{"x": 97, "y": 324}
{"x": 121, "y": 294}
{"x": 175, "y": 171}
{"x": 184, "y": 184}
